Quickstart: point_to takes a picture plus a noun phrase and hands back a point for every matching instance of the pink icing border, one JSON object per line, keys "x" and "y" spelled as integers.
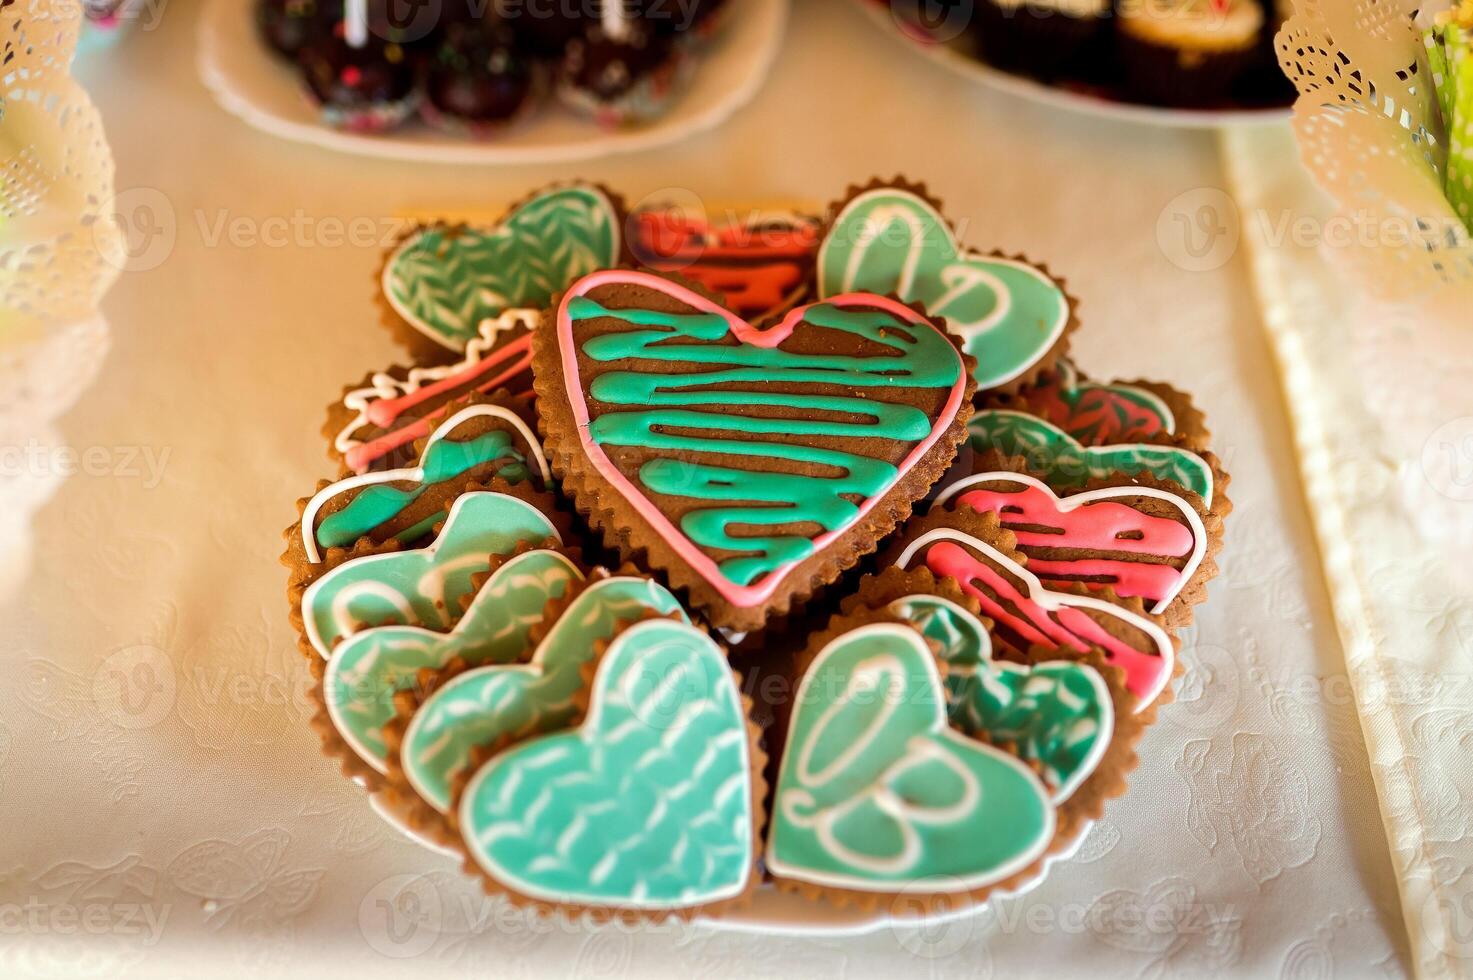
{"x": 384, "y": 412}
{"x": 742, "y": 596}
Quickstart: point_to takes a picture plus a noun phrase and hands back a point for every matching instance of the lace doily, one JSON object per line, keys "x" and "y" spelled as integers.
{"x": 60, "y": 250}
{"x": 1371, "y": 134}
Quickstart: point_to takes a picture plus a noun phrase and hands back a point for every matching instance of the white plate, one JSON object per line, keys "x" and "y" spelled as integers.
{"x": 773, "y": 912}
{"x": 252, "y": 84}
{"x": 963, "y": 63}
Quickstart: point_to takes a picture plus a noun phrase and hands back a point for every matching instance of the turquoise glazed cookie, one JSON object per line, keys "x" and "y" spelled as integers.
{"x": 487, "y": 705}
{"x": 367, "y": 669}
{"x": 877, "y": 792}
{"x": 1056, "y": 714}
{"x": 1062, "y": 462}
{"x": 444, "y": 281}
{"x": 1010, "y": 315}
{"x": 647, "y": 806}
{"x": 422, "y": 587}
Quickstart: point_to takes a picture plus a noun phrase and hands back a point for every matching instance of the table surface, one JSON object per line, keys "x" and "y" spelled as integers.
{"x": 192, "y": 821}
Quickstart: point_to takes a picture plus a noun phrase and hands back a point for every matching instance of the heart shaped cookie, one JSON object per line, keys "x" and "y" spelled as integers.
{"x": 388, "y": 410}
{"x": 1097, "y": 414}
{"x": 1057, "y": 714}
{"x": 480, "y": 708}
{"x": 368, "y": 668}
{"x": 759, "y": 264}
{"x": 1011, "y": 316}
{"x": 1027, "y": 614}
{"x": 877, "y": 793}
{"x": 647, "y": 805}
{"x": 1137, "y": 540}
{"x": 422, "y": 587}
{"x": 752, "y": 466}
{"x": 1060, "y": 459}
{"x": 444, "y": 281}
{"x": 478, "y": 443}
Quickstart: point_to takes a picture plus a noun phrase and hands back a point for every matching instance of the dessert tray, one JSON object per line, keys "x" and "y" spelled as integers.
{"x": 520, "y": 646}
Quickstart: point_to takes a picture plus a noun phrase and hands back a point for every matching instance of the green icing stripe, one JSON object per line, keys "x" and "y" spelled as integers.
{"x": 366, "y": 670}
{"x": 877, "y": 792}
{"x": 1058, "y": 714}
{"x": 444, "y": 282}
{"x": 1064, "y": 464}
{"x": 667, "y": 413}
{"x": 443, "y": 461}
{"x": 481, "y": 706}
{"x": 648, "y": 804}
{"x": 423, "y": 587}
{"x": 888, "y": 240}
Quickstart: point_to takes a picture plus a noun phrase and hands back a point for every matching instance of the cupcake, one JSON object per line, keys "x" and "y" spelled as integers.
{"x": 1043, "y": 38}
{"x": 288, "y": 26}
{"x": 477, "y": 81}
{"x": 1265, "y": 82}
{"x": 363, "y": 89}
{"x": 1186, "y": 52}
{"x": 620, "y": 69}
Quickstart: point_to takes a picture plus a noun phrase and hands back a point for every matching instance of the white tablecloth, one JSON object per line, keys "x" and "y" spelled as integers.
{"x": 1382, "y": 411}
{"x": 164, "y": 806}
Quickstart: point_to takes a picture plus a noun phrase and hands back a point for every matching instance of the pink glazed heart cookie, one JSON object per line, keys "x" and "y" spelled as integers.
{"x": 751, "y": 466}
{"x": 1027, "y": 614}
{"x": 1135, "y": 535}
{"x": 375, "y": 423}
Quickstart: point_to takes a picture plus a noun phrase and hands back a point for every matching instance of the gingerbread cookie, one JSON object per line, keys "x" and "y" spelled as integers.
{"x": 1069, "y": 718}
{"x": 1135, "y": 535}
{"x": 1097, "y": 413}
{"x": 376, "y": 422}
{"x": 751, "y": 466}
{"x": 484, "y": 440}
{"x": 350, "y": 590}
{"x": 1065, "y": 463}
{"x": 650, "y": 807}
{"x": 760, "y": 264}
{"x": 367, "y": 670}
{"x": 889, "y": 237}
{"x": 442, "y": 282}
{"x": 536, "y": 691}
{"x": 878, "y": 796}
{"x": 959, "y": 543}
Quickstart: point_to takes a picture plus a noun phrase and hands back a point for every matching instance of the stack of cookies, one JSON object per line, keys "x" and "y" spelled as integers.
{"x": 789, "y": 552}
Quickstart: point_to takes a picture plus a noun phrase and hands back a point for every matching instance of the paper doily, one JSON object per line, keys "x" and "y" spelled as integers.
{"x": 1370, "y": 133}
{"x": 60, "y": 250}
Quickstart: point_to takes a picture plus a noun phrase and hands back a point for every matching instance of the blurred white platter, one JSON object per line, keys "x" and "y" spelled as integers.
{"x": 252, "y": 84}
{"x": 963, "y": 63}
{"x": 773, "y": 912}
